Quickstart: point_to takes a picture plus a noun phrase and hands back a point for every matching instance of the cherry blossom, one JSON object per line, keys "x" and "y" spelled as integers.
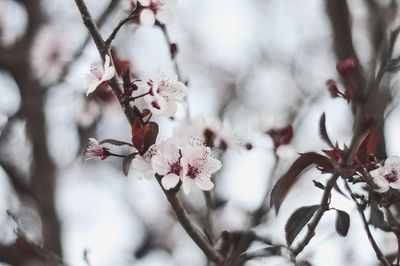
{"x": 177, "y": 160}
{"x": 388, "y": 175}
{"x": 168, "y": 163}
{"x": 199, "y": 164}
{"x": 51, "y": 51}
{"x": 99, "y": 73}
{"x": 160, "y": 10}
{"x": 95, "y": 151}
{"x": 164, "y": 93}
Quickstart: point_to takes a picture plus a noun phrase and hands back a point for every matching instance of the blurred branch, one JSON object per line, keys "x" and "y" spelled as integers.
{"x": 114, "y": 33}
{"x": 339, "y": 16}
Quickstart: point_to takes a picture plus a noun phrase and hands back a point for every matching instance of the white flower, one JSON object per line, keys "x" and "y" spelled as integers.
{"x": 142, "y": 164}
{"x": 167, "y": 163}
{"x": 186, "y": 160}
{"x": 164, "y": 94}
{"x": 51, "y": 51}
{"x": 199, "y": 165}
{"x": 95, "y": 150}
{"x": 98, "y": 74}
{"x": 157, "y": 9}
{"x": 388, "y": 175}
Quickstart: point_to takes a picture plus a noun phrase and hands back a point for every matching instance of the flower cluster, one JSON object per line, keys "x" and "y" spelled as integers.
{"x": 388, "y": 175}
{"x": 184, "y": 161}
{"x": 160, "y": 10}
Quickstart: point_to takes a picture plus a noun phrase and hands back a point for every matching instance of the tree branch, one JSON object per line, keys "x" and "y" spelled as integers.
{"x": 115, "y": 84}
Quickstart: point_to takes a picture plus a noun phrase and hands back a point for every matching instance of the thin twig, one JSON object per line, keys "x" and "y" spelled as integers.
{"x": 324, "y": 206}
{"x": 122, "y": 22}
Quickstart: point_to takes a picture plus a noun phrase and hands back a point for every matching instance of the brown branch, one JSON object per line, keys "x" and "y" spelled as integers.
{"x": 312, "y": 225}
{"x": 188, "y": 225}
{"x": 122, "y": 22}
{"x": 171, "y": 195}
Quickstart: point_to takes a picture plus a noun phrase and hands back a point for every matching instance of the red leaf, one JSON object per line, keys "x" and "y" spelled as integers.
{"x": 286, "y": 182}
{"x": 322, "y": 131}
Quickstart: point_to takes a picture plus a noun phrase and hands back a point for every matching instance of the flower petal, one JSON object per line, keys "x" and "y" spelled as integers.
{"x": 186, "y": 184}
{"x": 170, "y": 181}
{"x": 147, "y": 17}
{"x": 108, "y": 74}
{"x": 204, "y": 183}
{"x": 92, "y": 87}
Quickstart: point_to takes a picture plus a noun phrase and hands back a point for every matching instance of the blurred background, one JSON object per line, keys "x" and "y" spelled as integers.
{"x": 249, "y": 63}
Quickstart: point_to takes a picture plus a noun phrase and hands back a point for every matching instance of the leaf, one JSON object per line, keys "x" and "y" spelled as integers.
{"x": 115, "y": 142}
{"x": 286, "y": 182}
{"x": 297, "y": 221}
{"x": 151, "y": 132}
{"x": 342, "y": 223}
{"x": 126, "y": 163}
{"x": 323, "y": 132}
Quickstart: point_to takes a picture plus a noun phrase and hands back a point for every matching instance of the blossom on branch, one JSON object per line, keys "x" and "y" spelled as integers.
{"x": 160, "y": 10}
{"x": 388, "y": 175}
{"x": 95, "y": 151}
{"x": 179, "y": 160}
{"x": 164, "y": 93}
{"x": 98, "y": 74}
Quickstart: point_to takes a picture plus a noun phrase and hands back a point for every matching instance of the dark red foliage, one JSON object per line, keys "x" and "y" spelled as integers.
{"x": 143, "y": 136}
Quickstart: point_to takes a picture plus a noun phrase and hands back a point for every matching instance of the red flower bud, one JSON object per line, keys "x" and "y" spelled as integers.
{"x": 346, "y": 66}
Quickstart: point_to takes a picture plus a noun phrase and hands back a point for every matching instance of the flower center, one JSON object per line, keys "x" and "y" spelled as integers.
{"x": 154, "y": 6}
{"x": 175, "y": 168}
{"x": 392, "y": 176}
{"x": 155, "y": 105}
{"x": 193, "y": 171}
